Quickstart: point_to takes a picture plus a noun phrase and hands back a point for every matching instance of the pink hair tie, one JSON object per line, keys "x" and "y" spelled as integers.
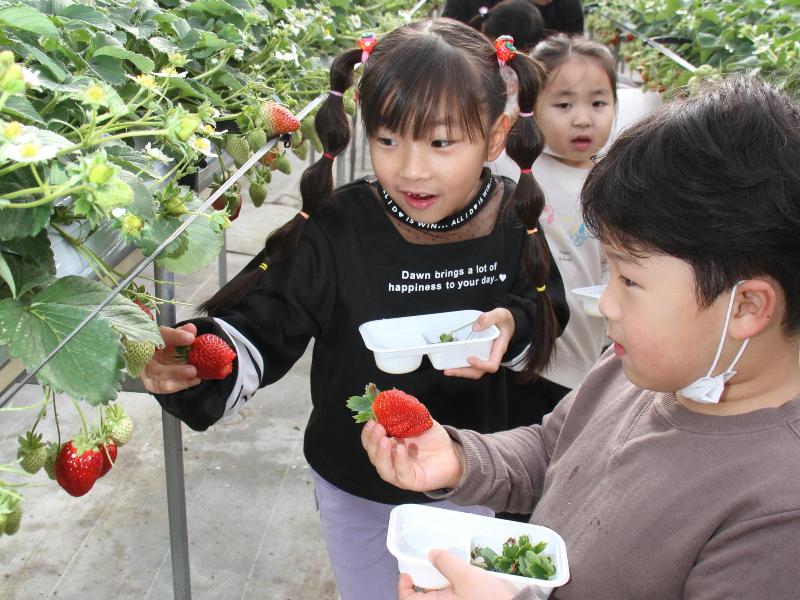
{"x": 525, "y": 171}
{"x": 328, "y": 155}
{"x": 303, "y": 214}
{"x": 525, "y": 115}
{"x": 367, "y": 45}
{"x": 335, "y": 93}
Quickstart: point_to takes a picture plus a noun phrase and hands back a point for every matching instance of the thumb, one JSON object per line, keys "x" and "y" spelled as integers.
{"x": 453, "y": 568}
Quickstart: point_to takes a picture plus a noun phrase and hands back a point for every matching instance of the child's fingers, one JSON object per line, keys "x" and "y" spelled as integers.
{"x": 405, "y": 588}
{"x": 183, "y": 336}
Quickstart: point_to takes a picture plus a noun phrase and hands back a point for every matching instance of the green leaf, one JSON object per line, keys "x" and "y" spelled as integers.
{"x": 88, "y": 15}
{"x": 203, "y": 248}
{"x": 708, "y": 40}
{"x": 57, "y": 69}
{"x": 31, "y": 261}
{"x": 212, "y": 7}
{"x": 86, "y": 368}
{"x": 5, "y": 273}
{"x": 28, "y": 19}
{"x": 132, "y": 160}
{"x": 121, "y": 314}
{"x": 19, "y": 107}
{"x": 141, "y": 62}
{"x": 108, "y": 69}
{"x": 23, "y": 222}
{"x": 359, "y": 403}
{"x": 142, "y": 203}
{"x": 163, "y": 45}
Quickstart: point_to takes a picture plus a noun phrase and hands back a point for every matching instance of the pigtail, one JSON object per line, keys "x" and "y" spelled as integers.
{"x": 316, "y": 188}
{"x": 525, "y": 144}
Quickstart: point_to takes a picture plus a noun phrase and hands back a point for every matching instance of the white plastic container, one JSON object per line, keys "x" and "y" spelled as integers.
{"x": 590, "y": 296}
{"x": 416, "y": 529}
{"x": 399, "y": 344}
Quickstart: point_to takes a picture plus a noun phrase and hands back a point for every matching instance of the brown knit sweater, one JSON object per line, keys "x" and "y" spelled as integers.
{"x": 654, "y": 501}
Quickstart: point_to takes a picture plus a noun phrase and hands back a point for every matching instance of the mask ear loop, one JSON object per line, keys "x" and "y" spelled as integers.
{"x": 722, "y": 338}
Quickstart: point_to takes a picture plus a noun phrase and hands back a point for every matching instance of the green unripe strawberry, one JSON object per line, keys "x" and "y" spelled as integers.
{"x": 257, "y": 139}
{"x": 137, "y": 355}
{"x": 50, "y": 462}
{"x": 13, "y": 519}
{"x": 301, "y": 150}
{"x": 187, "y": 127}
{"x": 238, "y": 148}
{"x": 31, "y": 452}
{"x": 258, "y": 193}
{"x": 120, "y": 425}
{"x": 310, "y": 133}
{"x": 283, "y": 165}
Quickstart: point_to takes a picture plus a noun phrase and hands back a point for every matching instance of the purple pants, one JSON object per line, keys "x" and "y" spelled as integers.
{"x": 354, "y": 530}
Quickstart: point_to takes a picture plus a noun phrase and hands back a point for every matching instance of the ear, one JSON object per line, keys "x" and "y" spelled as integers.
{"x": 497, "y": 137}
{"x": 756, "y": 307}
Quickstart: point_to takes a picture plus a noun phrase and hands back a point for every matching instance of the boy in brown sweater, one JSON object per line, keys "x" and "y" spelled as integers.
{"x": 671, "y": 472}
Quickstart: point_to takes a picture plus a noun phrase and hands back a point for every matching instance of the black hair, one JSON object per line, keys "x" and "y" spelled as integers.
{"x": 520, "y": 19}
{"x": 712, "y": 178}
{"x": 555, "y": 49}
{"x": 415, "y": 76}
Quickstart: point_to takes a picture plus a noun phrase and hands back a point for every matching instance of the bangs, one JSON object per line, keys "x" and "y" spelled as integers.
{"x": 446, "y": 90}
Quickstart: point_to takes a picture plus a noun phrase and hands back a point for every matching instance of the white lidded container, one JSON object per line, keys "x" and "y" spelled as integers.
{"x": 590, "y": 297}
{"x": 399, "y": 344}
{"x": 416, "y": 529}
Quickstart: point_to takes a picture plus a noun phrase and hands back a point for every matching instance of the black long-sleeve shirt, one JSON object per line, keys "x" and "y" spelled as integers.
{"x": 350, "y": 267}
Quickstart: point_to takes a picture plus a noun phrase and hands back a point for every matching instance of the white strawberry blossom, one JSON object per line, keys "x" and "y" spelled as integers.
{"x": 171, "y": 72}
{"x": 31, "y": 78}
{"x": 202, "y": 145}
{"x": 29, "y": 152}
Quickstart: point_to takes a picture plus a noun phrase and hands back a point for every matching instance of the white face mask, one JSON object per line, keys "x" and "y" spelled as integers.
{"x": 708, "y": 389}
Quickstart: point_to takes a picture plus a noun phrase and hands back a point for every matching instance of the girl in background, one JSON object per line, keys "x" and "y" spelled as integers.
{"x": 433, "y": 232}
{"x": 575, "y": 110}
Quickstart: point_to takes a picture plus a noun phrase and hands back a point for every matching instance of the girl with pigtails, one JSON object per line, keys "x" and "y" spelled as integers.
{"x": 433, "y": 231}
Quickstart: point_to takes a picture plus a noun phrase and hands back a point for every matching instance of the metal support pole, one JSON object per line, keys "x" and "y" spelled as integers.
{"x": 173, "y": 462}
{"x": 341, "y": 170}
{"x": 222, "y": 260}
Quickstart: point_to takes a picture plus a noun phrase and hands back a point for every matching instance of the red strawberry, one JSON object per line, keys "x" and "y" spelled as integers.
{"x": 78, "y": 466}
{"x": 211, "y": 355}
{"x": 145, "y": 308}
{"x": 109, "y": 452}
{"x": 278, "y": 119}
{"x": 401, "y": 414}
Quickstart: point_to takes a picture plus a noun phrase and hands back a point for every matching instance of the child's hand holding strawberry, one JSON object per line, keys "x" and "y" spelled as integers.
{"x": 504, "y": 320}
{"x": 426, "y": 462}
{"x": 166, "y": 372}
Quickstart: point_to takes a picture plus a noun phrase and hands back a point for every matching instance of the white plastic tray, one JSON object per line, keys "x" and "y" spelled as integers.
{"x": 590, "y": 297}
{"x": 416, "y": 529}
{"x": 399, "y": 344}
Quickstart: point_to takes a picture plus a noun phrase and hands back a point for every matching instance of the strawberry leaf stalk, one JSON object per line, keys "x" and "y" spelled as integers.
{"x": 401, "y": 414}
{"x": 211, "y": 355}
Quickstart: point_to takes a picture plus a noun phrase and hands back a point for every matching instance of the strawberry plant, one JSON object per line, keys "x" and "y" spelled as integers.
{"x": 104, "y": 107}
{"x": 731, "y": 35}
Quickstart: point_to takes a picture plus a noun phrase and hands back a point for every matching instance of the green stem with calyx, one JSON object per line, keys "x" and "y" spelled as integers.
{"x": 62, "y": 191}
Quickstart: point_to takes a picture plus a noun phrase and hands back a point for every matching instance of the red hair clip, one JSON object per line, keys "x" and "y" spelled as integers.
{"x": 367, "y": 45}
{"x": 504, "y": 45}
